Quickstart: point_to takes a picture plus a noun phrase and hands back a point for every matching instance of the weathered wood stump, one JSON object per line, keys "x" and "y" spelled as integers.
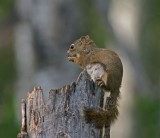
{"x": 61, "y": 116}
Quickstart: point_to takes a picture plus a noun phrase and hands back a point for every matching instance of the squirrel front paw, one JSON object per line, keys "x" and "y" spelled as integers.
{"x": 72, "y": 59}
{"x": 101, "y": 83}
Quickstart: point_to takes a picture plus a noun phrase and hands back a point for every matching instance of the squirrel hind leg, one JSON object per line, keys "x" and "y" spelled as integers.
{"x": 100, "y": 117}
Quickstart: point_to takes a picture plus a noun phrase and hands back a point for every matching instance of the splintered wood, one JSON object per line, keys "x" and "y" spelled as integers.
{"x": 61, "y": 116}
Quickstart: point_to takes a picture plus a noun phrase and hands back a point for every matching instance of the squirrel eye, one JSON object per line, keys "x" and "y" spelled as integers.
{"x": 72, "y": 46}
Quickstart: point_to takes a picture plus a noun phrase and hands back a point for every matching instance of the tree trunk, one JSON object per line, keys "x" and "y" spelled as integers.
{"x": 62, "y": 115}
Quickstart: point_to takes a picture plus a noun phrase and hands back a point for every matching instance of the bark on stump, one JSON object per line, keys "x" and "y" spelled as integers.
{"x": 61, "y": 116}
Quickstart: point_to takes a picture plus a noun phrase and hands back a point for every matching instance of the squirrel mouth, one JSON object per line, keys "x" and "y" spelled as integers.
{"x": 71, "y": 56}
{"x": 72, "y": 59}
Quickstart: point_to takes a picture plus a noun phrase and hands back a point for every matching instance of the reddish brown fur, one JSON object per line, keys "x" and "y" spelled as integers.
{"x": 84, "y": 52}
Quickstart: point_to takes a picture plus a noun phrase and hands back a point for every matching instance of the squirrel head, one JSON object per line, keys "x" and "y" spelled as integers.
{"x": 80, "y": 49}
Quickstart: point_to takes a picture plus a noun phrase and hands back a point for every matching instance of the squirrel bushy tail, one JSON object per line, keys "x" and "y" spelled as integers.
{"x": 100, "y": 117}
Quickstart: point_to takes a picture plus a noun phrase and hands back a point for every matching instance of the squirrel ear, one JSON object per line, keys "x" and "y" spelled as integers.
{"x": 87, "y": 37}
{"x": 82, "y": 38}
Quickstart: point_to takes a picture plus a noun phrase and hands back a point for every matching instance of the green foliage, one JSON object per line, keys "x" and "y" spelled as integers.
{"x": 95, "y": 27}
{"x": 149, "y": 39}
{"x": 6, "y": 6}
{"x": 148, "y": 108}
{"x": 8, "y": 126}
{"x": 147, "y": 116}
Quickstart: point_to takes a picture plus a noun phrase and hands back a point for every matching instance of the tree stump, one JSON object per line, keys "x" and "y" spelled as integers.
{"x": 61, "y": 116}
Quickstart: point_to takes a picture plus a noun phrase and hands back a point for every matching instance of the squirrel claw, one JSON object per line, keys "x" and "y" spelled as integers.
{"x": 100, "y": 82}
{"x": 72, "y": 59}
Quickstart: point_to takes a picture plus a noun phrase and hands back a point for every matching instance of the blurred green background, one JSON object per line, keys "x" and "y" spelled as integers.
{"x": 8, "y": 124}
{"x": 78, "y": 18}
